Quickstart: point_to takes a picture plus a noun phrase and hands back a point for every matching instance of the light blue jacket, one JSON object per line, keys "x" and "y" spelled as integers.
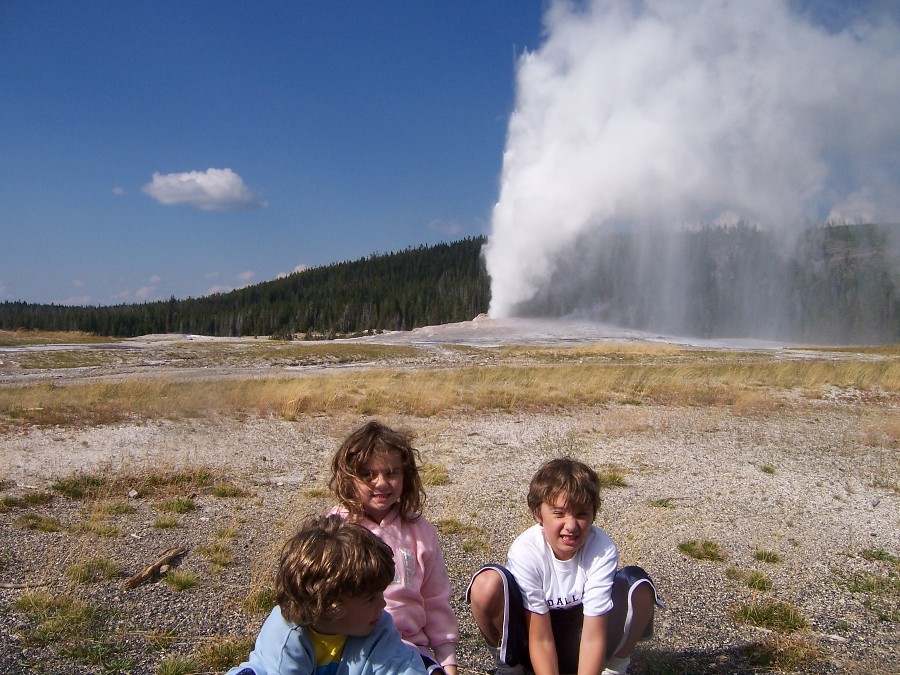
{"x": 286, "y": 649}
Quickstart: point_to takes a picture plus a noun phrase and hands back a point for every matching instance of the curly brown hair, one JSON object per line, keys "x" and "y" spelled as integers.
{"x": 564, "y": 476}
{"x": 371, "y": 440}
{"x": 326, "y": 562}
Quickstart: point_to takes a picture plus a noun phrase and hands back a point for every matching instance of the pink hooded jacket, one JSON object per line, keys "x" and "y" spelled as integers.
{"x": 418, "y": 599}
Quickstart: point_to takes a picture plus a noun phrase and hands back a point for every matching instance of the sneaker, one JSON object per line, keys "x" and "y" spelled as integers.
{"x": 616, "y": 666}
{"x": 503, "y": 668}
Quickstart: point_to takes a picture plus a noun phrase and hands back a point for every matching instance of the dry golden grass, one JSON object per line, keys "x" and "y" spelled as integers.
{"x": 18, "y": 338}
{"x": 541, "y": 379}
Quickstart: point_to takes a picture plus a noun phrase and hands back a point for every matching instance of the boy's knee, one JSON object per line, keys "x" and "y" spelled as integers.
{"x": 486, "y": 590}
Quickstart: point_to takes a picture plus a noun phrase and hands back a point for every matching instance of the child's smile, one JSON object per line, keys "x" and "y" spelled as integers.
{"x": 380, "y": 484}
{"x": 566, "y": 526}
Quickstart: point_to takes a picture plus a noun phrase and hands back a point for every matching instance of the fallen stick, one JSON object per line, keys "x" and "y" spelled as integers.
{"x": 153, "y": 570}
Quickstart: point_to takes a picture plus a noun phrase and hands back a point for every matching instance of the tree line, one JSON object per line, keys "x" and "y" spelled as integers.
{"x": 421, "y": 286}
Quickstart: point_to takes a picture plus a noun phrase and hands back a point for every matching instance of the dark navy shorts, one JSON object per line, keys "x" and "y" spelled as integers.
{"x": 567, "y": 623}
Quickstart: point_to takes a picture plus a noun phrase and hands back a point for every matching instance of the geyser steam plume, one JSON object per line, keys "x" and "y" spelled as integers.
{"x": 657, "y": 116}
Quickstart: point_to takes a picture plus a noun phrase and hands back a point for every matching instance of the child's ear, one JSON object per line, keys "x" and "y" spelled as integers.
{"x": 536, "y": 514}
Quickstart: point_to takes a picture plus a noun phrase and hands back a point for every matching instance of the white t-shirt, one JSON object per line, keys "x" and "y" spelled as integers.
{"x": 548, "y": 583}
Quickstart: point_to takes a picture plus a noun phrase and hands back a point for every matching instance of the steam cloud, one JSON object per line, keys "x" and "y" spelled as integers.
{"x": 664, "y": 114}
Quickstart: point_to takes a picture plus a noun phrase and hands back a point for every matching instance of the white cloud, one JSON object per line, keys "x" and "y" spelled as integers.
{"x": 144, "y": 292}
{"x": 155, "y": 279}
{"x": 245, "y": 277}
{"x": 122, "y": 295}
{"x": 210, "y": 190}
{"x": 449, "y": 228}
{"x": 212, "y": 290}
{"x": 300, "y": 268}
{"x": 118, "y": 191}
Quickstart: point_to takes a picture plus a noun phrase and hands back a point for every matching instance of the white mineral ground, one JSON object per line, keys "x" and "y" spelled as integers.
{"x": 831, "y": 497}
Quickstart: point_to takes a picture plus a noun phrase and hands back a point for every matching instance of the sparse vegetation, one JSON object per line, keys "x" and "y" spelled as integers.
{"x": 33, "y": 521}
{"x": 758, "y": 581}
{"x": 662, "y": 503}
{"x": 176, "y": 505}
{"x": 92, "y": 570}
{"x": 763, "y": 555}
{"x": 785, "y": 653}
{"x": 672, "y": 377}
{"x": 180, "y": 580}
{"x": 220, "y": 654}
{"x": 165, "y": 522}
{"x": 702, "y": 550}
{"x": 25, "y": 500}
{"x": 433, "y": 474}
{"x": 259, "y": 600}
{"x": 774, "y": 615}
{"x": 178, "y": 665}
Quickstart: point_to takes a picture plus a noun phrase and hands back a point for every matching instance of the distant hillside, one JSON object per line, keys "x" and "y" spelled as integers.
{"x": 421, "y": 286}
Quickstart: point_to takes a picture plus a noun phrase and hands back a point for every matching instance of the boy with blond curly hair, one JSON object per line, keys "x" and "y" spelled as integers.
{"x": 330, "y": 615}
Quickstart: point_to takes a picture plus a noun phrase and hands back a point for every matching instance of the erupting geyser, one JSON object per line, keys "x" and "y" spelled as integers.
{"x": 639, "y": 125}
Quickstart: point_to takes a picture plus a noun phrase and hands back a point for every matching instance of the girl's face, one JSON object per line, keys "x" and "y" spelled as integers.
{"x": 380, "y": 484}
{"x": 566, "y": 526}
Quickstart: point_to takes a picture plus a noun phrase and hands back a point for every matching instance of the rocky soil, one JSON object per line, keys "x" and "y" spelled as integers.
{"x": 812, "y": 482}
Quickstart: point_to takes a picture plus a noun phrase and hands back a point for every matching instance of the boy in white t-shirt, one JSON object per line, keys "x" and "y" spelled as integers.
{"x": 560, "y": 605}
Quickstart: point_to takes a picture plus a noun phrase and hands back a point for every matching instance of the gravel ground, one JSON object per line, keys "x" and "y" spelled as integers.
{"x": 811, "y": 481}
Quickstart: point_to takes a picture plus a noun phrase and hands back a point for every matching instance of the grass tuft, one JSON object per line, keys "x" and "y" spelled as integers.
{"x": 33, "y": 521}
{"x": 663, "y": 503}
{"x": 92, "y": 570}
{"x": 178, "y": 665}
{"x": 176, "y": 505}
{"x": 702, "y": 550}
{"x": 181, "y": 580}
{"x": 222, "y": 653}
{"x": 763, "y": 555}
{"x": 784, "y": 653}
{"x": 434, "y": 474}
{"x": 259, "y": 600}
{"x": 774, "y": 615}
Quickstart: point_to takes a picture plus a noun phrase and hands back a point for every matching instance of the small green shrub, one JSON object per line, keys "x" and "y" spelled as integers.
{"x": 663, "y": 503}
{"x": 702, "y": 550}
{"x": 767, "y": 468}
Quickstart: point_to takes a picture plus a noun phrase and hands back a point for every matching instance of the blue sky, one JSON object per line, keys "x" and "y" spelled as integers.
{"x": 179, "y": 148}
